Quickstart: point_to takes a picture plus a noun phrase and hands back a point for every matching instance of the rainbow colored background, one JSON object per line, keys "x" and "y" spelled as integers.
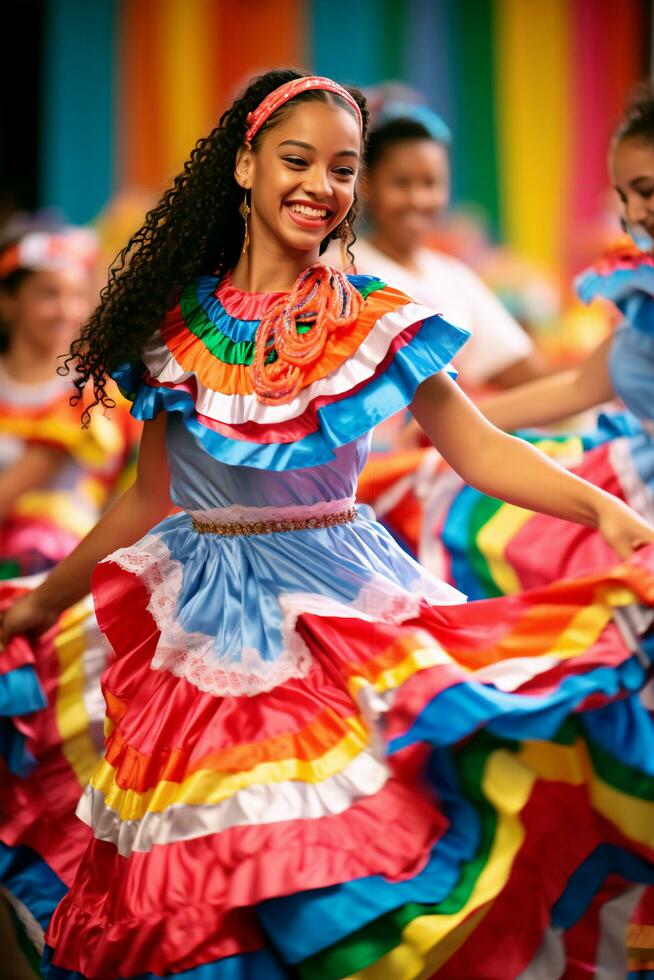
{"x": 531, "y": 89}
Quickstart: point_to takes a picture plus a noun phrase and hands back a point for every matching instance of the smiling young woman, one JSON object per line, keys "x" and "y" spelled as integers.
{"x": 320, "y": 762}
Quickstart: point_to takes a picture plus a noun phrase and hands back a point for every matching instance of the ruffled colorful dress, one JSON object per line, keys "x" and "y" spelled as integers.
{"x": 51, "y": 736}
{"x": 320, "y": 763}
{"x": 45, "y": 524}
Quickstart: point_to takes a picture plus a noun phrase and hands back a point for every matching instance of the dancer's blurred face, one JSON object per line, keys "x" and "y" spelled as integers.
{"x": 47, "y": 309}
{"x": 408, "y": 187}
{"x": 632, "y": 172}
{"x": 302, "y": 176}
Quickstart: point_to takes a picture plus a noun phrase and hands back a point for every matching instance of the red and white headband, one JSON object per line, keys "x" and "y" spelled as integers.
{"x": 40, "y": 251}
{"x": 288, "y": 91}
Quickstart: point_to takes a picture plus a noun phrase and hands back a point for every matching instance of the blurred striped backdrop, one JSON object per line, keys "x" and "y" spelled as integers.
{"x": 531, "y": 89}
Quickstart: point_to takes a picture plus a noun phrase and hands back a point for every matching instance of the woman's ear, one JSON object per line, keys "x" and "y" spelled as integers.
{"x": 244, "y": 166}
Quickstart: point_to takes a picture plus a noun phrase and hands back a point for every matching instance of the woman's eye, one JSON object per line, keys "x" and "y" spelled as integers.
{"x": 296, "y": 161}
{"x": 344, "y": 171}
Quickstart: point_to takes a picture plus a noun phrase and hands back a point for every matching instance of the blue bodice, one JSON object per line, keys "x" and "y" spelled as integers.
{"x": 200, "y": 482}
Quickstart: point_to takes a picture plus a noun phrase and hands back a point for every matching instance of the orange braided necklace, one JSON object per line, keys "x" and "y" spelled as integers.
{"x": 323, "y": 300}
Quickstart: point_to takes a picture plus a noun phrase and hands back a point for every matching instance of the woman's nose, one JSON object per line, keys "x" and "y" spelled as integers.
{"x": 316, "y": 182}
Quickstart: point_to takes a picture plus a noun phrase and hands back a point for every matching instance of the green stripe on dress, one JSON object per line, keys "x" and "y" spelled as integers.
{"x": 482, "y": 513}
{"x": 214, "y": 340}
{"x": 379, "y": 937}
{"x": 620, "y": 775}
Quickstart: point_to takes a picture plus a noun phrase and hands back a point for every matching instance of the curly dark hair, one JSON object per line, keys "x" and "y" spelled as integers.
{"x": 638, "y": 120}
{"x": 194, "y": 230}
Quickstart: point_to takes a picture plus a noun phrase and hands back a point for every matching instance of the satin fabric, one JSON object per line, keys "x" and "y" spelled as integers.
{"x": 220, "y": 597}
{"x": 460, "y": 827}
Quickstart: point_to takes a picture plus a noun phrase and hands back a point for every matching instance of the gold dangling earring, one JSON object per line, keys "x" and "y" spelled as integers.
{"x": 244, "y": 211}
{"x": 344, "y": 235}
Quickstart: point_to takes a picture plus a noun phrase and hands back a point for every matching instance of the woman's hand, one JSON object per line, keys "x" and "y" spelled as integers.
{"x": 29, "y": 614}
{"x": 623, "y": 529}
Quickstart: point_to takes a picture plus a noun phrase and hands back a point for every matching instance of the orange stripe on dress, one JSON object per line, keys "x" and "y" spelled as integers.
{"x": 141, "y": 772}
{"x": 300, "y": 425}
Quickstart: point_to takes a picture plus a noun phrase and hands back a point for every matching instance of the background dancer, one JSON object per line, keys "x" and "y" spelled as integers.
{"x": 54, "y": 475}
{"x": 407, "y": 186}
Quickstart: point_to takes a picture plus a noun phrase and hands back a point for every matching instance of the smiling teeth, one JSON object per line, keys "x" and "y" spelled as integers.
{"x": 309, "y": 212}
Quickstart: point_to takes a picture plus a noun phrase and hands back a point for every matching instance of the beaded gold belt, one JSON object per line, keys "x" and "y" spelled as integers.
{"x": 247, "y": 529}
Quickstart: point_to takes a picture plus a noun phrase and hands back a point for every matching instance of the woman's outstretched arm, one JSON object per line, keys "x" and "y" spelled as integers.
{"x": 145, "y": 503}
{"x": 510, "y": 469}
{"x": 556, "y": 397}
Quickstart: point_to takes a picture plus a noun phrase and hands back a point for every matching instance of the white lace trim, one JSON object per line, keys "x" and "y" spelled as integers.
{"x": 193, "y": 656}
{"x": 236, "y": 513}
{"x": 380, "y": 600}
